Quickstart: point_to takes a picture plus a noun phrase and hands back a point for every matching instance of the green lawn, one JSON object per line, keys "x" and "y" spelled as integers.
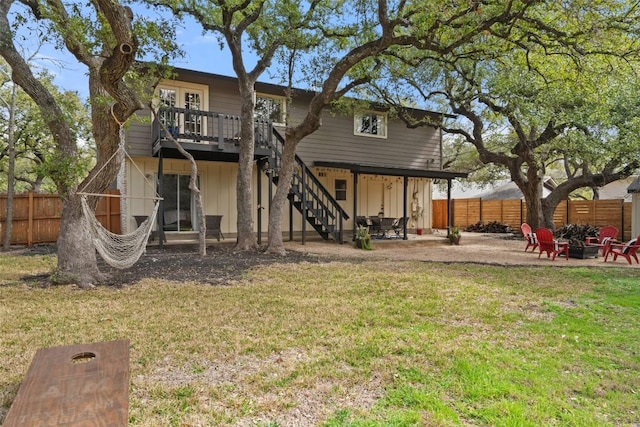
{"x": 365, "y": 344}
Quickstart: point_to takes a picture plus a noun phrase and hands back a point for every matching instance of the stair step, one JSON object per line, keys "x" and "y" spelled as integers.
{"x": 318, "y": 215}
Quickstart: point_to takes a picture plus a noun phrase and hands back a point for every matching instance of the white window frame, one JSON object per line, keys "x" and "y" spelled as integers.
{"x": 281, "y": 99}
{"x": 181, "y": 88}
{"x": 343, "y": 191}
{"x": 382, "y": 118}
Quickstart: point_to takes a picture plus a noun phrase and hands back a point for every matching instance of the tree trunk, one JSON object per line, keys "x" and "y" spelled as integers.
{"x": 246, "y": 239}
{"x": 11, "y": 148}
{"x": 77, "y": 262}
{"x": 534, "y": 215}
{"x": 532, "y": 193}
{"x": 275, "y": 244}
{"x": 112, "y": 103}
{"x": 548, "y": 210}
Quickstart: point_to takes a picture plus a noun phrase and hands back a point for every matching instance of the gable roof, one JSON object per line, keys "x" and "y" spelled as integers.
{"x": 635, "y": 186}
{"x": 501, "y": 190}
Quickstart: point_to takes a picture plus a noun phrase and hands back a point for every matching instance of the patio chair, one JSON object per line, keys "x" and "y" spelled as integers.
{"x": 606, "y": 235}
{"x": 625, "y": 250}
{"x": 399, "y": 224}
{"x": 139, "y": 220}
{"x": 213, "y": 223}
{"x": 362, "y": 221}
{"x": 529, "y": 236}
{"x": 386, "y": 224}
{"x": 374, "y": 225}
{"x": 546, "y": 243}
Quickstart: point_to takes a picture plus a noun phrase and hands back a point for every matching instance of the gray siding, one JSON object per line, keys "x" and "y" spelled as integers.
{"x": 404, "y": 148}
{"x": 334, "y": 141}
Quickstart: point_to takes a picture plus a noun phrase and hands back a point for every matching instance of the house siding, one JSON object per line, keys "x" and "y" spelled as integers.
{"x": 217, "y": 186}
{"x": 335, "y": 141}
{"x": 377, "y": 192}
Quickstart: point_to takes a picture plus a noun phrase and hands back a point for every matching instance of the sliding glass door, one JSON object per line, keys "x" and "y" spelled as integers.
{"x": 179, "y": 211}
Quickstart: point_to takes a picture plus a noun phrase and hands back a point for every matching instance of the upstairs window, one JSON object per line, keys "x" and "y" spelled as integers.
{"x": 269, "y": 107}
{"x": 371, "y": 124}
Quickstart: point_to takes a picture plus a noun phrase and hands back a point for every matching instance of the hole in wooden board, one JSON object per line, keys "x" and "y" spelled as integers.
{"x": 83, "y": 357}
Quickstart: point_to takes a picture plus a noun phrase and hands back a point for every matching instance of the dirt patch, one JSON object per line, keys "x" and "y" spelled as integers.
{"x": 223, "y": 265}
{"x": 475, "y": 248}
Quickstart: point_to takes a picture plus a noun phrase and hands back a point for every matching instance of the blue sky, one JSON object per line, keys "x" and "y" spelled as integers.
{"x": 202, "y": 53}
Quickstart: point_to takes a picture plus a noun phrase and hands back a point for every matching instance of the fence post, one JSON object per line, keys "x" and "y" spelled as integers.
{"x": 521, "y": 212}
{"x": 622, "y": 216}
{"x": 30, "y": 231}
{"x": 107, "y": 202}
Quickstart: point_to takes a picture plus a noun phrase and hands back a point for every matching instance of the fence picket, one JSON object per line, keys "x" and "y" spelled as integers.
{"x": 36, "y": 217}
{"x": 598, "y": 213}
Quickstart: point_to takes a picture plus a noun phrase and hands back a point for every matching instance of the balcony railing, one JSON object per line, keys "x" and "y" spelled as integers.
{"x": 206, "y": 127}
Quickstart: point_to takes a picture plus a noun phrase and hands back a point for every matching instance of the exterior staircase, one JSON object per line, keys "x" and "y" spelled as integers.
{"x": 307, "y": 194}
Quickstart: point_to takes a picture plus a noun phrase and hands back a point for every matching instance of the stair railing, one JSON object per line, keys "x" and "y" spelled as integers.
{"x": 317, "y": 204}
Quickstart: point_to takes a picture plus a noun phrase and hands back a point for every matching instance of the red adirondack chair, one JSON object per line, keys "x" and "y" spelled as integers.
{"x": 626, "y": 250}
{"x": 606, "y": 235}
{"x": 530, "y": 237}
{"x": 552, "y": 247}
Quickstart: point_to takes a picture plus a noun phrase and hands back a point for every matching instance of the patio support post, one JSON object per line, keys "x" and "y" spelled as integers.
{"x": 405, "y": 194}
{"x": 161, "y": 192}
{"x": 271, "y": 166}
{"x": 259, "y": 196}
{"x": 303, "y": 190}
{"x": 355, "y": 202}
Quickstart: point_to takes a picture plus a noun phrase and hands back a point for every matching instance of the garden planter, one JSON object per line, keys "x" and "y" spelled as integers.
{"x": 363, "y": 244}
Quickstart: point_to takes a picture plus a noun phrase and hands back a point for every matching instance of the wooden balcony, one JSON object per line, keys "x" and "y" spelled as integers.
{"x": 206, "y": 135}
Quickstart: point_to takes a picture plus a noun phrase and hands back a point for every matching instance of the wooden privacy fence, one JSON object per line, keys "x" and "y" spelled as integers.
{"x": 36, "y": 217}
{"x": 598, "y": 213}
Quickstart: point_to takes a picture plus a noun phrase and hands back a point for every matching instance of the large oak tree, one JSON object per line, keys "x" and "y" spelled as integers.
{"x": 103, "y": 36}
{"x": 561, "y": 90}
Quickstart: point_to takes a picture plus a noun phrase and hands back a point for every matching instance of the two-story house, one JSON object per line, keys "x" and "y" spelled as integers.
{"x": 365, "y": 164}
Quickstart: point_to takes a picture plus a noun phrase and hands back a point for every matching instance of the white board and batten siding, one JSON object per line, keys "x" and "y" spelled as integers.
{"x": 217, "y": 185}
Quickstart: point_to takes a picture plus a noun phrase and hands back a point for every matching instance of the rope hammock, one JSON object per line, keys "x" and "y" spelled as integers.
{"x": 118, "y": 250}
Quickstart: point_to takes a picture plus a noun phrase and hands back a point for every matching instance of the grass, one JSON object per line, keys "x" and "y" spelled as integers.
{"x": 367, "y": 344}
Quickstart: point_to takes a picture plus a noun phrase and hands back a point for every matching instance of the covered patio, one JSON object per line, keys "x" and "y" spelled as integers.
{"x": 359, "y": 169}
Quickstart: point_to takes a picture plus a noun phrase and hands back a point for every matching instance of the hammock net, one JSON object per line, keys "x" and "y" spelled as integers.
{"x": 119, "y": 250}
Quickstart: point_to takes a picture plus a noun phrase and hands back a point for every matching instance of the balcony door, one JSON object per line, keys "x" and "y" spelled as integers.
{"x": 179, "y": 205}
{"x": 187, "y": 96}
